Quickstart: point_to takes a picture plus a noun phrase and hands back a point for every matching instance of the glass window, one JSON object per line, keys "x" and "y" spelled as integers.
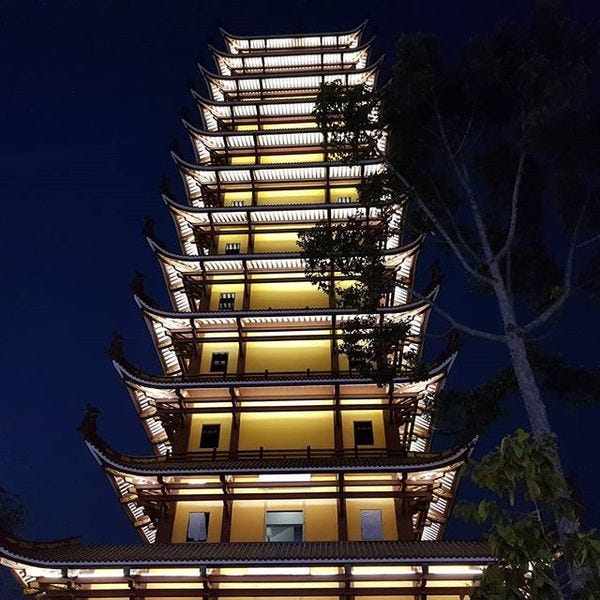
{"x": 209, "y": 437}
{"x": 218, "y": 362}
{"x": 371, "y": 525}
{"x": 232, "y": 248}
{"x": 227, "y": 301}
{"x": 363, "y": 433}
{"x": 197, "y": 530}
{"x": 284, "y": 526}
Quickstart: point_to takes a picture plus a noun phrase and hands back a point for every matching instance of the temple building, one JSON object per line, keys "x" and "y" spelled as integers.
{"x": 278, "y": 469}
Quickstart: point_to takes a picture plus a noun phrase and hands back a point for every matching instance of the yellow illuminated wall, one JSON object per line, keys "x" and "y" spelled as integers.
{"x": 273, "y": 430}
{"x": 288, "y": 355}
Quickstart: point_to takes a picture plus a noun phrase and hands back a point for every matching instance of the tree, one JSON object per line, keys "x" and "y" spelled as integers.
{"x": 531, "y": 556}
{"x": 496, "y": 155}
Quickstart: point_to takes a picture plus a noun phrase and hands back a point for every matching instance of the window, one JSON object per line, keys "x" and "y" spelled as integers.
{"x": 284, "y": 526}
{"x": 197, "y": 530}
{"x": 227, "y": 301}
{"x": 238, "y": 203}
{"x": 209, "y": 437}
{"x": 344, "y": 200}
{"x": 363, "y": 433}
{"x": 218, "y": 362}
{"x": 232, "y": 248}
{"x": 371, "y": 525}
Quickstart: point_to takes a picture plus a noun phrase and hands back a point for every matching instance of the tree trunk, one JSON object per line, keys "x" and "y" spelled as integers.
{"x": 537, "y": 414}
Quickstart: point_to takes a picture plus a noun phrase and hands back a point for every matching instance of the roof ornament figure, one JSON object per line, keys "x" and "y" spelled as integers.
{"x": 453, "y": 341}
{"x": 138, "y": 289}
{"x": 115, "y": 350}
{"x": 88, "y": 426}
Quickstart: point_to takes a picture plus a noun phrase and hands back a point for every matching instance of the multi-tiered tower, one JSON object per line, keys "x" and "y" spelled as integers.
{"x": 279, "y": 471}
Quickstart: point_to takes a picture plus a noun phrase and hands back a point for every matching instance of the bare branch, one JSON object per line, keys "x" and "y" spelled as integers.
{"x": 591, "y": 240}
{"x": 567, "y": 279}
{"x": 459, "y": 236}
{"x": 467, "y": 131}
{"x": 440, "y": 228}
{"x": 463, "y": 178}
{"x": 472, "y": 331}
{"x": 512, "y": 228}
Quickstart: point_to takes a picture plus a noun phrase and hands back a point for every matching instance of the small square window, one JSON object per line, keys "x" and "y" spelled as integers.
{"x": 232, "y": 248}
{"x": 238, "y": 203}
{"x": 197, "y": 529}
{"x": 209, "y": 437}
{"x": 371, "y": 525}
{"x": 284, "y": 526}
{"x": 363, "y": 433}
{"x": 218, "y": 362}
{"x": 227, "y": 301}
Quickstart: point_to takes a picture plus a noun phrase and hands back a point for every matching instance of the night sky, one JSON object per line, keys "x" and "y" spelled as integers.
{"x": 90, "y": 95}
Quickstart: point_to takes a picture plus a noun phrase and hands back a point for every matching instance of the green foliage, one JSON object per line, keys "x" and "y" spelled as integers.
{"x": 375, "y": 346}
{"x": 349, "y": 120}
{"x": 527, "y": 491}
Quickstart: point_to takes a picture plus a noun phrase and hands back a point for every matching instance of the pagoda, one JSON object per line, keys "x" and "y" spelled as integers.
{"x": 278, "y": 469}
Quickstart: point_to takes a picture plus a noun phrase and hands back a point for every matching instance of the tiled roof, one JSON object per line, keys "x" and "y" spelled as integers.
{"x": 74, "y": 555}
{"x": 412, "y": 461}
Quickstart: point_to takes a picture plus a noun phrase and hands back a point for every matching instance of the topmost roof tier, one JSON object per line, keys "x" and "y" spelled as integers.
{"x": 253, "y": 44}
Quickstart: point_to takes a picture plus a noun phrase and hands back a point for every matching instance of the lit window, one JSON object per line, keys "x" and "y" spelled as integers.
{"x": 344, "y": 200}
{"x": 371, "y": 525}
{"x": 197, "y": 530}
{"x": 238, "y": 203}
{"x": 227, "y": 301}
{"x": 232, "y": 248}
{"x": 218, "y": 362}
{"x": 209, "y": 438}
{"x": 363, "y": 433}
{"x": 284, "y": 526}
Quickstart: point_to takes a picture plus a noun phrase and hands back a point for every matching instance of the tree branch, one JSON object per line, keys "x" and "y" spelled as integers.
{"x": 440, "y": 228}
{"x": 472, "y": 331}
{"x": 463, "y": 178}
{"x": 567, "y": 279}
{"x": 510, "y": 236}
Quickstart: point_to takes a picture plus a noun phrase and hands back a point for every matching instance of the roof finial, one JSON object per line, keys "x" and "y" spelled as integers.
{"x": 88, "y": 426}
{"x": 115, "y": 350}
{"x": 164, "y": 186}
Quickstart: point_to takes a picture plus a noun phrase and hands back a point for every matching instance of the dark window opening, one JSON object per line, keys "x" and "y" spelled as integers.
{"x": 209, "y": 437}
{"x": 227, "y": 301}
{"x": 363, "y": 433}
{"x": 371, "y": 525}
{"x": 284, "y": 526}
{"x": 232, "y": 248}
{"x": 238, "y": 203}
{"x": 218, "y": 362}
{"x": 197, "y": 530}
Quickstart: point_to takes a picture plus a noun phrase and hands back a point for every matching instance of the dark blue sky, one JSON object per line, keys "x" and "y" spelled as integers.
{"x": 89, "y": 105}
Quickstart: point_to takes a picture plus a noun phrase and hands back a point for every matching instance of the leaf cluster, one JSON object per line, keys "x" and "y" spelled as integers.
{"x": 532, "y": 556}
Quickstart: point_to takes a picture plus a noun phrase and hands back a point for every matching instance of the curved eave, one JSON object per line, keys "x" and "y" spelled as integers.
{"x": 356, "y": 33}
{"x": 252, "y": 175}
{"x": 157, "y": 466}
{"x": 260, "y": 142}
{"x": 415, "y": 308}
{"x": 176, "y": 207}
{"x": 391, "y": 253}
{"x": 146, "y": 381}
{"x": 223, "y": 60}
{"x": 368, "y": 70}
{"x": 58, "y": 556}
{"x": 220, "y": 85}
